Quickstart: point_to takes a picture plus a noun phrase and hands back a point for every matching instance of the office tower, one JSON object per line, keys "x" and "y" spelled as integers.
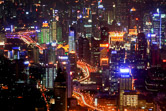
{"x": 86, "y": 50}
{"x": 125, "y": 79}
{"x": 71, "y": 40}
{"x": 130, "y": 98}
{"x": 83, "y": 49}
{"x": 103, "y": 54}
{"x": 60, "y": 52}
{"x": 49, "y": 78}
{"x": 116, "y": 59}
{"x": 125, "y": 84}
{"x": 73, "y": 72}
{"x": 33, "y": 54}
{"x": 132, "y": 52}
{"x": 155, "y": 55}
{"x": 95, "y": 52}
{"x": 104, "y": 35}
{"x": 73, "y": 63}
{"x": 60, "y": 91}
{"x": 59, "y": 32}
{"x": 159, "y": 20}
{"x": 80, "y": 48}
{"x": 141, "y": 51}
{"x": 53, "y": 31}
{"x": 155, "y": 79}
{"x": 45, "y": 34}
{"x": 51, "y": 49}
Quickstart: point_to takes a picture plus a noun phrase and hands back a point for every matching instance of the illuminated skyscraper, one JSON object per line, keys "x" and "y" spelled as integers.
{"x": 125, "y": 79}
{"x": 71, "y": 41}
{"x": 53, "y": 31}
{"x": 50, "y": 75}
{"x": 45, "y": 33}
{"x": 159, "y": 20}
{"x": 116, "y": 59}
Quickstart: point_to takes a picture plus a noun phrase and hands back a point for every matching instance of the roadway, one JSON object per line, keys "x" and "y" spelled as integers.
{"x": 45, "y": 99}
{"x": 84, "y": 99}
{"x": 25, "y": 37}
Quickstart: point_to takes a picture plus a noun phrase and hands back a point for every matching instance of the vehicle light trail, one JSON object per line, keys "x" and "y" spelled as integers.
{"x": 85, "y": 103}
{"x": 41, "y": 90}
{"x": 25, "y": 37}
{"x": 86, "y": 69}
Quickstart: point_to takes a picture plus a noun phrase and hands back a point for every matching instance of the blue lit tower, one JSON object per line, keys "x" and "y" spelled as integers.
{"x": 116, "y": 59}
{"x": 125, "y": 79}
{"x": 159, "y": 20}
{"x": 71, "y": 39}
{"x": 125, "y": 83}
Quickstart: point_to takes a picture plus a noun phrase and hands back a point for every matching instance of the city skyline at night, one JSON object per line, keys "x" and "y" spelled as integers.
{"x": 83, "y": 55}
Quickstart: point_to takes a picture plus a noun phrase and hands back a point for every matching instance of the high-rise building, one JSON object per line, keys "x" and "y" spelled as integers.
{"x": 60, "y": 90}
{"x": 83, "y": 49}
{"x": 159, "y": 20}
{"x": 125, "y": 79}
{"x": 73, "y": 63}
{"x": 49, "y": 77}
{"x": 155, "y": 55}
{"x": 53, "y": 31}
{"x": 86, "y": 50}
{"x": 141, "y": 51}
{"x": 80, "y": 48}
{"x": 45, "y": 34}
{"x": 95, "y": 52}
{"x": 73, "y": 72}
{"x": 130, "y": 98}
{"x": 71, "y": 41}
{"x": 116, "y": 59}
{"x": 104, "y": 54}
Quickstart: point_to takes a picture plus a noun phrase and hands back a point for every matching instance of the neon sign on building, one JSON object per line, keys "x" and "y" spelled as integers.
{"x": 116, "y": 36}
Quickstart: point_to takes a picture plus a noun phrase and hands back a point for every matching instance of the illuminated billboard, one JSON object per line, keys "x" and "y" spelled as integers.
{"x": 45, "y": 24}
{"x": 127, "y": 70}
{"x": 133, "y": 31}
{"x": 16, "y": 48}
{"x": 103, "y": 61}
{"x": 63, "y": 57}
{"x": 116, "y": 36}
{"x": 104, "y": 45}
